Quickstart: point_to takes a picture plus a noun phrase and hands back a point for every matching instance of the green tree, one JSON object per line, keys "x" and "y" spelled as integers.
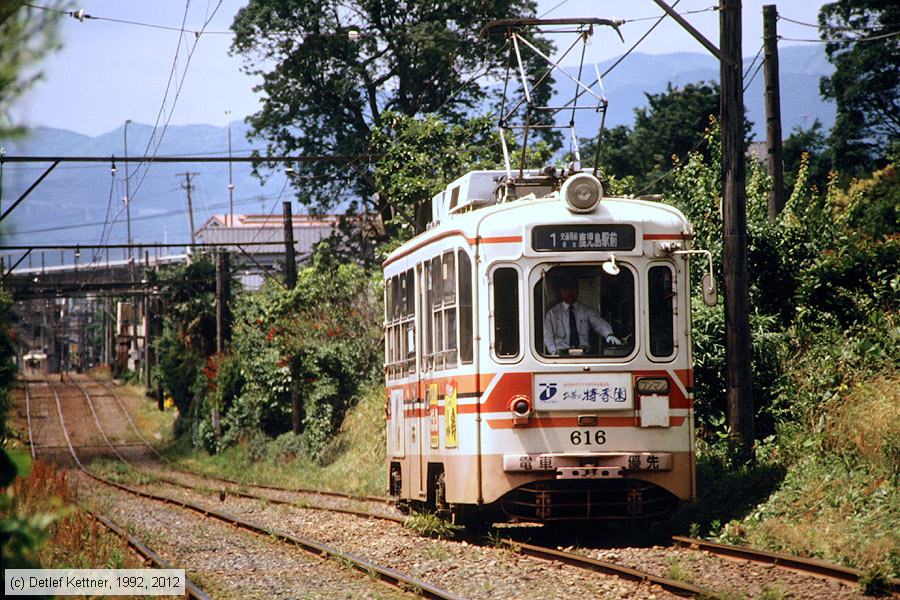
{"x": 27, "y": 35}
{"x": 417, "y": 157}
{"x": 189, "y": 329}
{"x": 666, "y": 130}
{"x": 337, "y": 68}
{"x": 813, "y": 143}
{"x": 865, "y": 85}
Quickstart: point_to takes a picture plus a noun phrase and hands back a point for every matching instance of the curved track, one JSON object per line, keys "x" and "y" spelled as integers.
{"x": 386, "y": 574}
{"x": 806, "y": 566}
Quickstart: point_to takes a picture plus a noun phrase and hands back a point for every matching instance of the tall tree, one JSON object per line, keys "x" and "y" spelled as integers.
{"x": 331, "y": 70}
{"x": 27, "y": 34}
{"x": 865, "y": 52}
{"x": 671, "y": 125}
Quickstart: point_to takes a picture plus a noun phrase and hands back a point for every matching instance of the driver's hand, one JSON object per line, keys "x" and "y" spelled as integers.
{"x": 613, "y": 340}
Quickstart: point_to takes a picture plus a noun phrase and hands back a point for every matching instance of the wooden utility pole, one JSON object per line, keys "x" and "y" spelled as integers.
{"x": 146, "y": 300}
{"x": 739, "y": 391}
{"x": 188, "y": 187}
{"x": 290, "y": 281}
{"x": 774, "y": 154}
{"x": 222, "y": 330}
{"x": 290, "y": 259}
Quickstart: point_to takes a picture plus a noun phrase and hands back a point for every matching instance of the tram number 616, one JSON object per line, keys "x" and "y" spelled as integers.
{"x": 587, "y": 437}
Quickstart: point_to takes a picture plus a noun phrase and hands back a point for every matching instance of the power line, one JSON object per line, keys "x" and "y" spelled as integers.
{"x": 830, "y": 27}
{"x": 758, "y": 67}
{"x": 687, "y": 12}
{"x": 142, "y": 218}
{"x": 633, "y": 46}
{"x": 186, "y": 159}
{"x": 755, "y": 58}
{"x": 180, "y": 85}
{"x": 80, "y": 15}
{"x": 872, "y": 38}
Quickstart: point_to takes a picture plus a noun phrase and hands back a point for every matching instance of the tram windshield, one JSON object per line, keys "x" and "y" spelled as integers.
{"x": 581, "y": 311}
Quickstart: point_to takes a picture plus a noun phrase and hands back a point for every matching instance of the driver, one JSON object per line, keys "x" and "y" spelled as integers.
{"x": 567, "y": 325}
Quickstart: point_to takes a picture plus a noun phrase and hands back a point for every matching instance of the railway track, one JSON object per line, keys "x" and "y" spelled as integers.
{"x": 796, "y": 563}
{"x": 681, "y": 588}
{"x": 121, "y": 405}
{"x": 191, "y": 589}
{"x": 676, "y": 587}
{"x": 396, "y": 578}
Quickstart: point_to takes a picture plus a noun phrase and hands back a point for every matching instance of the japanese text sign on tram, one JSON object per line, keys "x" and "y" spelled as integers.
{"x": 583, "y": 391}
{"x": 581, "y": 238}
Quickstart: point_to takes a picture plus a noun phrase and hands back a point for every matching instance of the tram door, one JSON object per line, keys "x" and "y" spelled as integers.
{"x": 421, "y": 421}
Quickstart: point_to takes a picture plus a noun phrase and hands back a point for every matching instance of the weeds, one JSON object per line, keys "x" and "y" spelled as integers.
{"x": 430, "y": 525}
{"x": 679, "y": 571}
{"x": 119, "y": 472}
{"x": 45, "y": 528}
{"x": 772, "y": 593}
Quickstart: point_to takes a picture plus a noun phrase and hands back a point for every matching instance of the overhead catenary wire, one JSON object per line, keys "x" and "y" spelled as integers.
{"x": 872, "y": 38}
{"x": 832, "y": 28}
{"x": 177, "y": 89}
{"x": 753, "y": 62}
{"x": 81, "y": 16}
{"x": 752, "y": 77}
{"x": 633, "y": 46}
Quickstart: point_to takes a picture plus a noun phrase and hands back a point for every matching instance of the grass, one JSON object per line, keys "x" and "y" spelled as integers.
{"x": 156, "y": 426}
{"x": 119, "y": 472}
{"x": 679, "y": 571}
{"x": 354, "y": 461}
{"x": 51, "y": 531}
{"x": 431, "y": 525}
{"x": 839, "y": 499}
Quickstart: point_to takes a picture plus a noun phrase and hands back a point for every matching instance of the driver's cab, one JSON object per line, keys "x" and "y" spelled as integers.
{"x": 607, "y": 307}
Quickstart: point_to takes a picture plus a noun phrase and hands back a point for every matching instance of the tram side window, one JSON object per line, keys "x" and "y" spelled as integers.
{"x": 440, "y": 312}
{"x": 506, "y": 312}
{"x": 661, "y": 298}
{"x": 465, "y": 307}
{"x": 400, "y": 332}
{"x": 581, "y": 311}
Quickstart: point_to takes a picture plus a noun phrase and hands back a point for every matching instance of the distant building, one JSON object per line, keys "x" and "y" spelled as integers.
{"x": 253, "y": 229}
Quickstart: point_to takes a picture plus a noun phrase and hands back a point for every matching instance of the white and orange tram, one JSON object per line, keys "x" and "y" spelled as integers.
{"x": 538, "y": 355}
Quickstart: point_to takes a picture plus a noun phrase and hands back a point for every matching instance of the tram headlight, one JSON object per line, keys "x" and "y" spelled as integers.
{"x": 520, "y": 407}
{"x": 582, "y": 192}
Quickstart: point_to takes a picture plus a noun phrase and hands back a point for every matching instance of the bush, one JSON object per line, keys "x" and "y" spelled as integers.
{"x": 320, "y": 341}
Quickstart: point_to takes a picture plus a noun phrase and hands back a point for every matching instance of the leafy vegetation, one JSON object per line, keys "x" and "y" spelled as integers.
{"x": 40, "y": 525}
{"x": 27, "y": 34}
{"x": 865, "y": 84}
{"x": 431, "y": 525}
{"x": 352, "y": 462}
{"x": 826, "y": 293}
{"x": 381, "y": 59}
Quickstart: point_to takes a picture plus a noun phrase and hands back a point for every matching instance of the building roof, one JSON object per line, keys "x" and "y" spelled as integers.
{"x": 308, "y": 230}
{"x": 269, "y": 220}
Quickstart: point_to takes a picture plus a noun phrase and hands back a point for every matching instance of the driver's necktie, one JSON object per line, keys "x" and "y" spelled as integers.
{"x": 573, "y": 329}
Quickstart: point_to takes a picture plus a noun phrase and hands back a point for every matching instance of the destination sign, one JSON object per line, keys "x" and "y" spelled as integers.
{"x": 582, "y": 238}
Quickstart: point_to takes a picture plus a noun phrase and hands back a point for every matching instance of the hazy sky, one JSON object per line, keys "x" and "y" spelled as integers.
{"x": 108, "y": 72}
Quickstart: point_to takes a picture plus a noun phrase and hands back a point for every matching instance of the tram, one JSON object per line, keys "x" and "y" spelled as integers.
{"x": 538, "y": 353}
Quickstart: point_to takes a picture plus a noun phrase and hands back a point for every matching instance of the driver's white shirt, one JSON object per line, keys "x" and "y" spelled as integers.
{"x": 556, "y": 326}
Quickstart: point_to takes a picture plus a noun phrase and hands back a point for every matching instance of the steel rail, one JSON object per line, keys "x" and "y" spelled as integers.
{"x": 192, "y": 590}
{"x": 584, "y": 562}
{"x": 576, "y": 560}
{"x": 386, "y": 574}
{"x": 28, "y": 418}
{"x": 262, "y": 486}
{"x": 238, "y": 493}
{"x": 808, "y": 566}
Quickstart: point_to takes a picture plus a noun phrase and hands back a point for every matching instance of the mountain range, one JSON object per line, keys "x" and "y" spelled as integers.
{"x": 76, "y": 200}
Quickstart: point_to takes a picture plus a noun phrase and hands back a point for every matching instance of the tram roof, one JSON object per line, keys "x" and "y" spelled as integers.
{"x": 512, "y": 217}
